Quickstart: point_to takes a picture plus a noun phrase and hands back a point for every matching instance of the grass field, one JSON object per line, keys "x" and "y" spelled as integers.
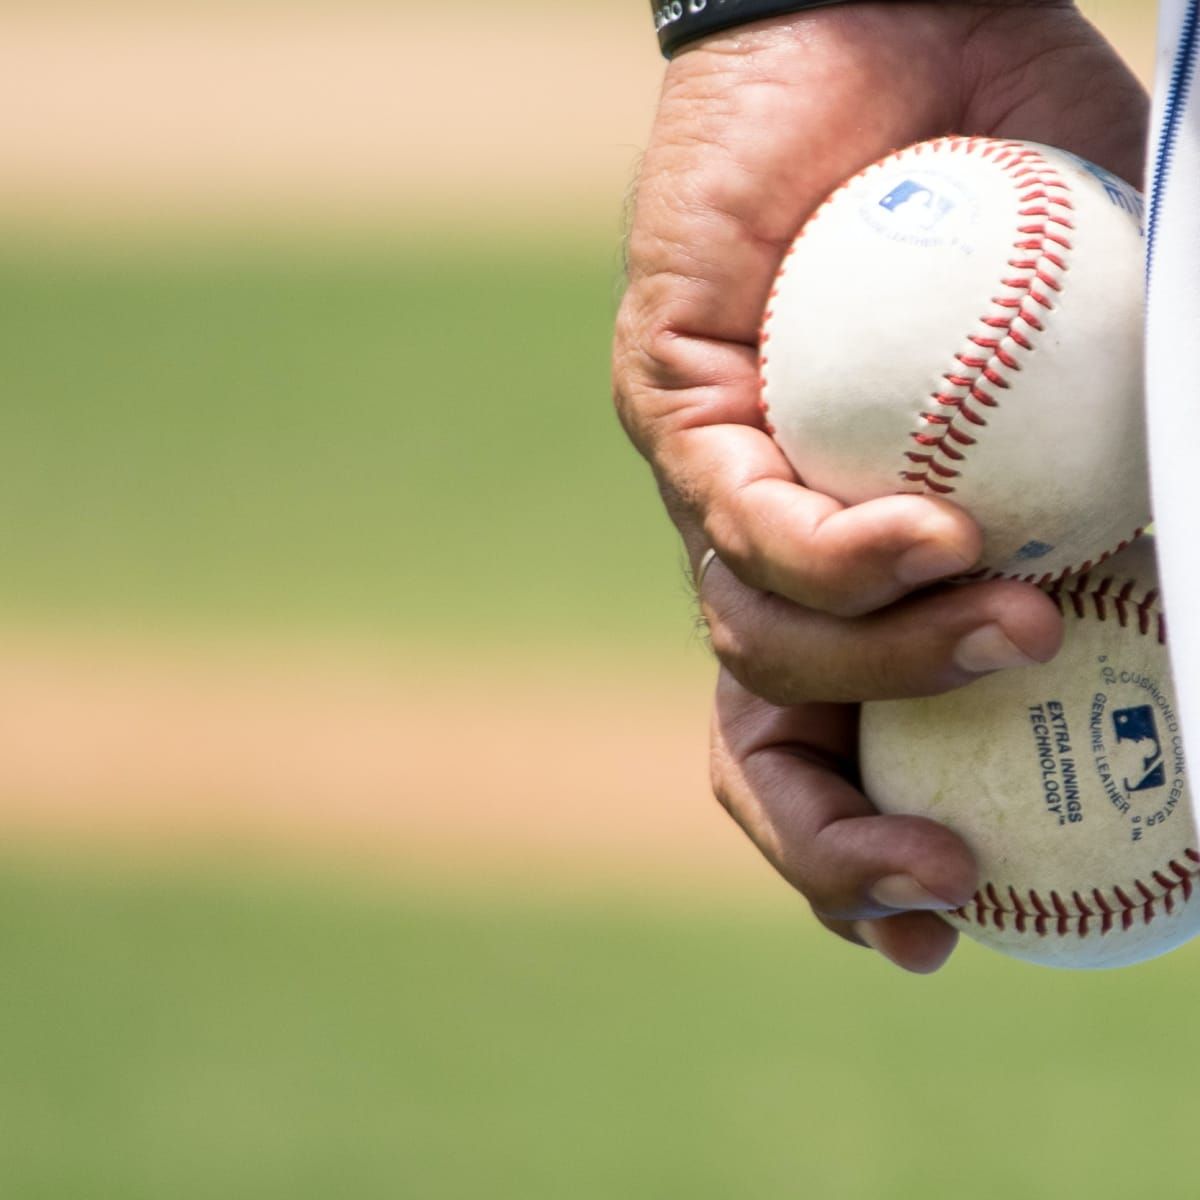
{"x": 203, "y": 1036}
{"x": 414, "y": 442}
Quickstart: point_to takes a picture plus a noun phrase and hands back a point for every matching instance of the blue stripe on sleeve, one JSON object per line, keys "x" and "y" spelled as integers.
{"x": 1179, "y": 88}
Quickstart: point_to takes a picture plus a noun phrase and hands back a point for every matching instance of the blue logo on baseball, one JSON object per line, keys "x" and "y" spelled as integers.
{"x": 917, "y": 204}
{"x": 1137, "y": 725}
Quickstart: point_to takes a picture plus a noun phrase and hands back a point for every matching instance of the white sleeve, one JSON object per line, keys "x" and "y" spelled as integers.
{"x": 1173, "y": 343}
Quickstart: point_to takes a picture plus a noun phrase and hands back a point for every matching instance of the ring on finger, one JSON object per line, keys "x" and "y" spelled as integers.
{"x": 709, "y": 557}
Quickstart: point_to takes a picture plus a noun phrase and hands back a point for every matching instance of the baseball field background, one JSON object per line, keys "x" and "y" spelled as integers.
{"x": 356, "y": 837}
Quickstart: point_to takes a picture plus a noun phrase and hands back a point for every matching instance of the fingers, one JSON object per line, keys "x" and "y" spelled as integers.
{"x": 782, "y": 538}
{"x": 926, "y": 644}
{"x": 785, "y": 777}
{"x": 729, "y": 486}
{"x": 916, "y": 942}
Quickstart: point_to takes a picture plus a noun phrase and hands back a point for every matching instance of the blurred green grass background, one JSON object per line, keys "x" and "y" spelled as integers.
{"x": 201, "y": 1036}
{"x": 416, "y": 443}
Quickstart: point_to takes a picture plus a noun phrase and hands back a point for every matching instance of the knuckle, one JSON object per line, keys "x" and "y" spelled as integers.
{"x": 744, "y": 640}
{"x": 732, "y": 644}
{"x": 656, "y": 383}
{"x": 742, "y": 525}
{"x": 726, "y": 778}
{"x": 725, "y": 527}
{"x": 837, "y": 582}
{"x": 626, "y": 378}
{"x": 649, "y": 342}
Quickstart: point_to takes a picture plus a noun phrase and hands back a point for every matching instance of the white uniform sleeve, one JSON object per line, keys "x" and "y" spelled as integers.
{"x": 1173, "y": 342}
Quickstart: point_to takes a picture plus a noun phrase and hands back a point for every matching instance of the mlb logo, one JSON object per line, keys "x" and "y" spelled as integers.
{"x": 917, "y": 205}
{"x": 1137, "y": 725}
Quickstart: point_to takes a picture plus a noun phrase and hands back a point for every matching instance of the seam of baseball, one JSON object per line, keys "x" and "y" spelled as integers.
{"x": 1053, "y": 915}
{"x": 1010, "y": 326}
{"x": 1053, "y": 579}
{"x": 1109, "y": 597}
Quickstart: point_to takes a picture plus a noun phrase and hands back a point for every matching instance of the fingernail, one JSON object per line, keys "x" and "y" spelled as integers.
{"x": 904, "y": 892}
{"x": 865, "y": 932}
{"x": 988, "y": 649}
{"x": 928, "y": 561}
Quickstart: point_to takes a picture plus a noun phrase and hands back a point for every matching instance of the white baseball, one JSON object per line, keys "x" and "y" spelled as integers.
{"x": 964, "y": 319}
{"x": 1068, "y": 781}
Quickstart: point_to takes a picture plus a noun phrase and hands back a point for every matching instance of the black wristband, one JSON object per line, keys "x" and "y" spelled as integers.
{"x": 681, "y": 21}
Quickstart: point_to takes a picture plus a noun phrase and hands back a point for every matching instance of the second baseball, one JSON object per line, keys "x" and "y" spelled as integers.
{"x": 1067, "y": 780}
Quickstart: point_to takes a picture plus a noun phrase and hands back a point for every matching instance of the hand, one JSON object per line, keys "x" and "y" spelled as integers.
{"x": 755, "y": 127}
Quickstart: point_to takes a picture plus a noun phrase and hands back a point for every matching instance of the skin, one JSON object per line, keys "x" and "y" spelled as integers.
{"x": 814, "y": 607}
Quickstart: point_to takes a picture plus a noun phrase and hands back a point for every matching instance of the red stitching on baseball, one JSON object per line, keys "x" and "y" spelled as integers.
{"x": 924, "y": 439}
{"x": 941, "y": 489}
{"x": 1078, "y": 593}
{"x": 1064, "y": 918}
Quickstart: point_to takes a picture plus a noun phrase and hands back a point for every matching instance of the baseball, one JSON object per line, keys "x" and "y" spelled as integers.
{"x": 1068, "y": 781}
{"x": 964, "y": 319}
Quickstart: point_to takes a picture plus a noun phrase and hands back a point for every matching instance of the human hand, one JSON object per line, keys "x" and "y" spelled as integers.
{"x": 755, "y": 127}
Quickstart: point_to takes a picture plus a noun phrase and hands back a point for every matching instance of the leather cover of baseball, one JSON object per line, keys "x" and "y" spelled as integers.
{"x": 964, "y": 319}
{"x": 1068, "y": 781}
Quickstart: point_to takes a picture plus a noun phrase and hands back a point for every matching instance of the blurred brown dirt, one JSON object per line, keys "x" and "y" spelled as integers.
{"x": 574, "y": 768}
{"x": 362, "y": 115}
